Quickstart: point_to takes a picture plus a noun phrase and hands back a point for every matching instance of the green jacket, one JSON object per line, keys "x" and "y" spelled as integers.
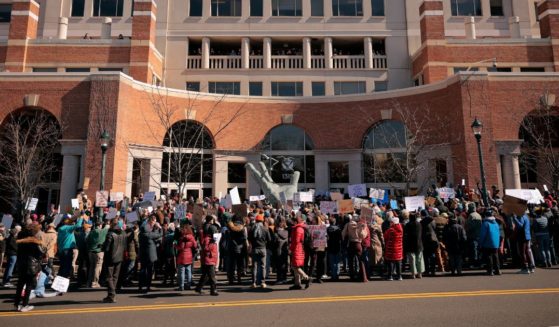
{"x": 95, "y": 240}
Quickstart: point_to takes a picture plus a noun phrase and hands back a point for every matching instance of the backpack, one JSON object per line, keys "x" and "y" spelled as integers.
{"x": 307, "y": 241}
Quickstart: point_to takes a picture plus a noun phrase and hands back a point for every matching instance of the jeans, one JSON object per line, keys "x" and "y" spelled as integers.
{"x": 208, "y": 273}
{"x": 415, "y": 259}
{"x": 258, "y": 266}
{"x": 492, "y": 257}
{"x": 235, "y": 261}
{"x": 113, "y": 271}
{"x": 66, "y": 257}
{"x": 9, "y": 269}
{"x": 395, "y": 265}
{"x": 184, "y": 272}
{"x": 365, "y": 261}
{"x": 430, "y": 262}
{"x": 474, "y": 252}
{"x": 127, "y": 271}
{"x": 334, "y": 263}
{"x": 354, "y": 251}
{"x": 146, "y": 274}
{"x": 544, "y": 244}
{"x": 525, "y": 253}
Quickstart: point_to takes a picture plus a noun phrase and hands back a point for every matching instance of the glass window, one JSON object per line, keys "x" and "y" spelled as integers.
{"x": 256, "y": 8}
{"x": 236, "y": 172}
{"x": 465, "y": 69}
{"x": 195, "y": 8}
{"x": 193, "y": 86}
{"x": 388, "y": 167}
{"x": 5, "y": 13}
{"x": 107, "y": 7}
{"x": 388, "y": 134}
{"x": 287, "y": 89}
{"x": 226, "y": 7}
{"x": 381, "y": 86}
{"x": 78, "y": 70}
{"x": 528, "y": 168}
{"x": 496, "y": 7}
{"x": 45, "y": 70}
{"x": 286, "y": 8}
{"x": 188, "y": 134}
{"x": 377, "y": 7}
{"x": 341, "y": 88}
{"x": 532, "y": 69}
{"x": 347, "y": 7}
{"x": 318, "y": 89}
{"x": 500, "y": 69}
{"x": 317, "y": 8}
{"x": 466, "y": 7}
{"x": 255, "y": 88}
{"x": 287, "y": 138}
{"x": 233, "y": 88}
{"x": 78, "y": 8}
{"x": 109, "y": 69}
{"x": 339, "y": 172}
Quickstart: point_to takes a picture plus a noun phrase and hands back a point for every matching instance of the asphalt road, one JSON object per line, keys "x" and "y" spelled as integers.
{"x": 471, "y": 300}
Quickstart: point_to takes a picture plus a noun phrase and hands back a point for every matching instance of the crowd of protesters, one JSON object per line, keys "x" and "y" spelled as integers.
{"x": 270, "y": 245}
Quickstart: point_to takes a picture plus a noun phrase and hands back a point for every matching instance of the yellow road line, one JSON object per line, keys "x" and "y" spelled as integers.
{"x": 375, "y": 297}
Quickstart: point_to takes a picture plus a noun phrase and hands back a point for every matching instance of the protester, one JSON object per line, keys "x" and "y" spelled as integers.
{"x": 259, "y": 237}
{"x": 67, "y": 243}
{"x": 393, "y": 238}
{"x": 209, "y": 257}
{"x": 413, "y": 246}
{"x": 95, "y": 240}
{"x": 430, "y": 242}
{"x": 489, "y": 243}
{"x": 297, "y": 249}
{"x": 114, "y": 247}
{"x": 334, "y": 248}
{"x": 150, "y": 235}
{"x": 455, "y": 239}
{"x": 30, "y": 252}
{"x": 186, "y": 247}
{"x": 11, "y": 253}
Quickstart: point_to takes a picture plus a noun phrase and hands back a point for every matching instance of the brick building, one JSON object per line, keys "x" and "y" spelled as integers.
{"x": 415, "y": 71}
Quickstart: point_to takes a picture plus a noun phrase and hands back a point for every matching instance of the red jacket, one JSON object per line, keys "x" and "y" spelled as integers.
{"x": 185, "y": 248}
{"x": 297, "y": 247}
{"x": 209, "y": 256}
{"x": 393, "y": 239}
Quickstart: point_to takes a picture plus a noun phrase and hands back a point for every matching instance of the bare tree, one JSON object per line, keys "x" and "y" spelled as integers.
{"x": 28, "y": 142}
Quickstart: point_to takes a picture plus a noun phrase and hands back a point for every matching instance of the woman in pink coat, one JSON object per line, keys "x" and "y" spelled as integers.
{"x": 297, "y": 249}
{"x": 394, "y": 250}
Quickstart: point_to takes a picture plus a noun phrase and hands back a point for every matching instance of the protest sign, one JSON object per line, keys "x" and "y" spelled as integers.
{"x": 463, "y": 182}
{"x": 180, "y": 212}
{"x": 132, "y": 217}
{"x": 529, "y": 195}
{"x": 335, "y": 196}
{"x": 431, "y": 201}
{"x": 345, "y": 206}
{"x": 101, "y": 199}
{"x": 513, "y": 205}
{"x": 198, "y": 215}
{"x": 86, "y": 181}
{"x": 31, "y": 204}
{"x": 357, "y": 190}
{"x": 330, "y": 207}
{"x": 358, "y": 202}
{"x": 367, "y": 214}
{"x": 75, "y": 203}
{"x": 228, "y": 203}
{"x": 58, "y": 219}
{"x": 305, "y": 197}
{"x": 446, "y": 193}
{"x": 117, "y": 196}
{"x": 235, "y": 198}
{"x": 394, "y": 205}
{"x": 318, "y": 236}
{"x": 7, "y": 220}
{"x": 414, "y": 203}
{"x": 240, "y": 210}
{"x": 149, "y": 196}
{"x": 376, "y": 193}
{"x": 256, "y": 198}
{"x": 545, "y": 188}
{"x": 111, "y": 214}
{"x": 60, "y": 284}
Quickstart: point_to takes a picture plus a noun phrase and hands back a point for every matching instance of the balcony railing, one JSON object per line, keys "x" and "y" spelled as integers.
{"x": 288, "y": 62}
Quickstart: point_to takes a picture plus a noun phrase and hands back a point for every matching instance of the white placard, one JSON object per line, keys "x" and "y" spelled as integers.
{"x": 414, "y": 203}
{"x": 228, "y": 202}
{"x": 132, "y": 217}
{"x": 7, "y": 220}
{"x": 58, "y": 219}
{"x": 545, "y": 188}
{"x": 446, "y": 193}
{"x": 463, "y": 182}
{"x": 532, "y": 196}
{"x": 75, "y": 204}
{"x": 150, "y": 209}
{"x": 101, "y": 199}
{"x": 31, "y": 204}
{"x": 235, "y": 198}
{"x": 283, "y": 198}
{"x": 256, "y": 198}
{"x": 357, "y": 190}
{"x": 358, "y": 202}
{"x": 305, "y": 197}
{"x": 376, "y": 193}
{"x": 149, "y": 196}
{"x": 330, "y": 207}
{"x": 111, "y": 214}
{"x": 117, "y": 196}
{"x": 60, "y": 284}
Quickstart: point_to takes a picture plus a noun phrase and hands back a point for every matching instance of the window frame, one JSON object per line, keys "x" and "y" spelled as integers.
{"x": 455, "y": 12}
{"x": 278, "y": 12}
{"x": 336, "y": 8}
{"x": 298, "y": 86}
{"x": 8, "y": 13}
{"x": 338, "y": 87}
{"x": 98, "y": 9}
{"x": 235, "y": 8}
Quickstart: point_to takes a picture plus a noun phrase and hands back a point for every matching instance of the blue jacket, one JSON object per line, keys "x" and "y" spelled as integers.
{"x": 523, "y": 223}
{"x": 66, "y": 239}
{"x": 489, "y": 234}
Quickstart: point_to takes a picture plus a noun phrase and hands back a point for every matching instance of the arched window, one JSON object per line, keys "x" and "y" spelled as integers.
{"x": 188, "y": 159}
{"x": 286, "y": 149}
{"x": 384, "y": 152}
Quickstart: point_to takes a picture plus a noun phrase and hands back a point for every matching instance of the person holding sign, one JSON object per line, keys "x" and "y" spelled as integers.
{"x": 67, "y": 243}
{"x": 297, "y": 249}
{"x": 30, "y": 252}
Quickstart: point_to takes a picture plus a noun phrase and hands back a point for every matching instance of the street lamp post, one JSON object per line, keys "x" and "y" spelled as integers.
{"x": 105, "y": 137}
{"x": 477, "y": 128}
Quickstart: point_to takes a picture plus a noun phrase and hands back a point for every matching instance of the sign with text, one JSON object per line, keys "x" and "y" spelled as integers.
{"x": 358, "y": 202}
{"x": 336, "y": 196}
{"x": 180, "y": 212}
{"x": 513, "y": 205}
{"x": 532, "y": 196}
{"x": 149, "y": 196}
{"x": 318, "y": 236}
{"x": 446, "y": 193}
{"x": 7, "y": 220}
{"x": 31, "y": 204}
{"x": 235, "y": 197}
{"x": 305, "y": 197}
{"x": 132, "y": 217}
{"x": 345, "y": 206}
{"x": 376, "y": 193}
{"x": 367, "y": 214}
{"x": 75, "y": 203}
{"x": 357, "y": 190}
{"x": 102, "y": 199}
{"x": 329, "y": 207}
{"x": 414, "y": 203}
{"x": 256, "y": 198}
{"x": 117, "y": 196}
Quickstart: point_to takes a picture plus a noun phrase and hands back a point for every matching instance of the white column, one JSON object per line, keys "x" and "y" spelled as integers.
{"x": 220, "y": 176}
{"x": 245, "y": 52}
{"x": 70, "y": 178}
{"x": 187, "y": 49}
{"x": 329, "y": 62}
{"x": 368, "y": 51}
{"x": 511, "y": 171}
{"x": 306, "y": 10}
{"x": 206, "y": 8}
{"x": 106, "y": 28}
{"x": 470, "y": 25}
{"x": 327, "y": 9}
{"x": 267, "y": 53}
{"x": 62, "y": 28}
{"x": 155, "y": 173}
{"x": 367, "y": 9}
{"x": 514, "y": 27}
{"x": 307, "y": 52}
{"x": 266, "y": 9}
{"x": 515, "y": 171}
{"x": 245, "y": 9}
{"x": 88, "y": 8}
{"x": 206, "y": 53}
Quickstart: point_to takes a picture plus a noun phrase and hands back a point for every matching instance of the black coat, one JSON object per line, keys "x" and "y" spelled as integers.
{"x": 334, "y": 239}
{"x": 29, "y": 249}
{"x": 114, "y": 246}
{"x": 148, "y": 244}
{"x": 454, "y": 238}
{"x": 281, "y": 247}
{"x": 429, "y": 235}
{"x": 413, "y": 242}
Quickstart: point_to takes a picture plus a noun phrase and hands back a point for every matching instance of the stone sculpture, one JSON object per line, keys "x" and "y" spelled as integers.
{"x": 271, "y": 189}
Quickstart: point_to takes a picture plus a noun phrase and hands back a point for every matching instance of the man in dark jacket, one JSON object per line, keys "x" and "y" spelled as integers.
{"x": 334, "y": 248}
{"x": 114, "y": 246}
{"x": 259, "y": 238}
{"x": 413, "y": 246}
{"x": 237, "y": 248}
{"x": 11, "y": 255}
{"x": 430, "y": 242}
{"x": 150, "y": 236}
{"x": 454, "y": 237}
{"x": 281, "y": 251}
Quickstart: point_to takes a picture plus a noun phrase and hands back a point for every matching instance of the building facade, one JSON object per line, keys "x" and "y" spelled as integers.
{"x": 340, "y": 90}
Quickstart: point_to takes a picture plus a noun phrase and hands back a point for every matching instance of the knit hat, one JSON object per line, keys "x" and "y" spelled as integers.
{"x": 260, "y": 218}
{"x": 395, "y": 220}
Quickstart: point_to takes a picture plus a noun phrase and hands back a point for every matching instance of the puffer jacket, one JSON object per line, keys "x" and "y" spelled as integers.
{"x": 489, "y": 234}
{"x": 185, "y": 249}
{"x": 209, "y": 254}
{"x": 297, "y": 247}
{"x": 114, "y": 246}
{"x": 393, "y": 238}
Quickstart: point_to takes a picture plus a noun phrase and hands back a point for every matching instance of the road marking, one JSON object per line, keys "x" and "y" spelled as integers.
{"x": 375, "y": 297}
